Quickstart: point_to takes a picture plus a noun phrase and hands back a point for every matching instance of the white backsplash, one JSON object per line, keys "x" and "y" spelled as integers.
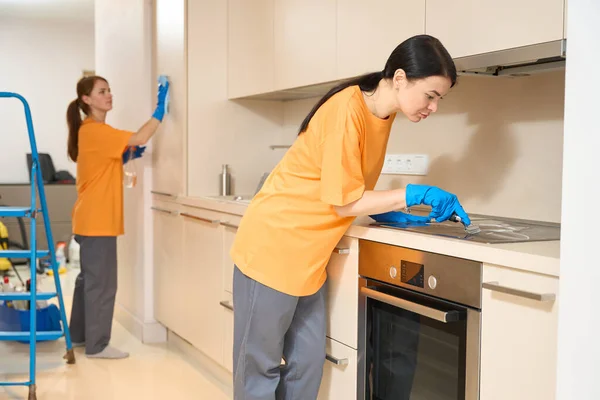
{"x": 495, "y": 142}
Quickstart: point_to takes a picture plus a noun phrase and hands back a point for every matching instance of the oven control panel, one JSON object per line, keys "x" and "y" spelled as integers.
{"x": 446, "y": 277}
{"x": 412, "y": 273}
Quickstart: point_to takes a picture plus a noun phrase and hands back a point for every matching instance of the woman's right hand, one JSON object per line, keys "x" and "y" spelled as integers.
{"x": 443, "y": 204}
{"x": 163, "y": 90}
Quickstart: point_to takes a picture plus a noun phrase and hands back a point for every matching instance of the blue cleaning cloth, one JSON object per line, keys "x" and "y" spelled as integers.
{"x": 400, "y": 217}
{"x": 162, "y": 80}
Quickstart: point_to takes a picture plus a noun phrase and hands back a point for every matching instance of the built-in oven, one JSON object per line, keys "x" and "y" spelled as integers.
{"x": 419, "y": 325}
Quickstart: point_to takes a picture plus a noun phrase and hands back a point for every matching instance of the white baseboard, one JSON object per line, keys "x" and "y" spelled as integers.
{"x": 219, "y": 376}
{"x": 152, "y": 332}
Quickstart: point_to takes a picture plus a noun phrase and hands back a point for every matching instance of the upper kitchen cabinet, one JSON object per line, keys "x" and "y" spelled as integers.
{"x": 305, "y": 42}
{"x": 169, "y": 144}
{"x": 368, "y": 31}
{"x": 251, "y": 47}
{"x": 468, "y": 27}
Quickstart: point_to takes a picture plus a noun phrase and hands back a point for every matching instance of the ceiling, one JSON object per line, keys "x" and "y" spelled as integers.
{"x": 82, "y": 10}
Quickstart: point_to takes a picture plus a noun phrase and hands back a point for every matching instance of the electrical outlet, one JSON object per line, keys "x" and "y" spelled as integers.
{"x": 406, "y": 164}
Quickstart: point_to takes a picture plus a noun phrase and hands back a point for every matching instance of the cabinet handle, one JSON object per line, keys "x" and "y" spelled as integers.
{"x": 163, "y": 193}
{"x": 228, "y": 225}
{"x": 342, "y": 250}
{"x": 226, "y": 305}
{"x": 520, "y": 293}
{"x": 210, "y": 221}
{"x": 336, "y": 361}
{"x": 162, "y": 210}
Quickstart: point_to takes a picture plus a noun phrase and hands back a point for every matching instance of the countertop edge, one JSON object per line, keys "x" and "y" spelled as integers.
{"x": 537, "y": 257}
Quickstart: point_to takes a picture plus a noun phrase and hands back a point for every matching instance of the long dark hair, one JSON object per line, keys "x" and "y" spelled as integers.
{"x": 84, "y": 88}
{"x": 420, "y": 57}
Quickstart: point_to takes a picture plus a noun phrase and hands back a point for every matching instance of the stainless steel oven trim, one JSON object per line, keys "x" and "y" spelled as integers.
{"x": 472, "y": 361}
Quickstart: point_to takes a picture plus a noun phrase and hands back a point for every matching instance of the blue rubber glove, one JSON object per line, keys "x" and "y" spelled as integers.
{"x": 400, "y": 217}
{"x": 137, "y": 153}
{"x": 443, "y": 204}
{"x": 163, "y": 91}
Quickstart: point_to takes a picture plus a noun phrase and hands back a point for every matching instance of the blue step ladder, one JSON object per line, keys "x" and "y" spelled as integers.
{"x": 32, "y": 212}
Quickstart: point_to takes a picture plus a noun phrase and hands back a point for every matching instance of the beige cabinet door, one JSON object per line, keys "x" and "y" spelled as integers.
{"x": 203, "y": 243}
{"x": 169, "y": 143}
{"x": 519, "y": 335}
{"x": 305, "y": 42}
{"x": 229, "y": 232}
{"x": 368, "y": 32}
{"x": 339, "y": 373}
{"x": 342, "y": 293}
{"x": 251, "y": 47}
{"x": 468, "y": 27}
{"x": 169, "y": 278}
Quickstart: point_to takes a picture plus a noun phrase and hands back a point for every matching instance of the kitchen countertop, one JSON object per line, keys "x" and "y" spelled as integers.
{"x": 539, "y": 257}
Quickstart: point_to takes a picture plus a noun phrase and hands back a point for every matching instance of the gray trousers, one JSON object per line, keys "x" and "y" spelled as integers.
{"x": 268, "y": 326}
{"x": 95, "y": 292}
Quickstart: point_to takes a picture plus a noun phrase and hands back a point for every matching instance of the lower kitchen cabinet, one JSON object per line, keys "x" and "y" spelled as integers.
{"x": 202, "y": 288}
{"x": 342, "y": 293}
{"x": 519, "y": 335}
{"x": 339, "y": 373}
{"x": 227, "y": 311}
{"x": 169, "y": 307}
{"x": 230, "y": 225}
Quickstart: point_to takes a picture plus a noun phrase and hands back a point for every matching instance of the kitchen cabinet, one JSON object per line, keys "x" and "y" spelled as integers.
{"x": 339, "y": 372}
{"x": 468, "y": 27}
{"x": 227, "y": 311}
{"x": 305, "y": 42}
{"x": 230, "y": 225}
{"x": 202, "y": 287}
{"x": 251, "y": 47}
{"x": 368, "y": 32}
{"x": 519, "y": 335}
{"x": 565, "y": 19}
{"x": 169, "y": 151}
{"x": 342, "y": 297}
{"x": 169, "y": 305}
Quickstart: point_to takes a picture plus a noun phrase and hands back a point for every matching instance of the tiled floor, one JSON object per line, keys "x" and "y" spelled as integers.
{"x": 152, "y": 371}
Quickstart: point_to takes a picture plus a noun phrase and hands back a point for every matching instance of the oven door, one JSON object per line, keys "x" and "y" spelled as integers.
{"x": 415, "y": 347}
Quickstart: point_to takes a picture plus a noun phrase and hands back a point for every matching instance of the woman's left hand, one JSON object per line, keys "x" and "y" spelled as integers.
{"x": 137, "y": 153}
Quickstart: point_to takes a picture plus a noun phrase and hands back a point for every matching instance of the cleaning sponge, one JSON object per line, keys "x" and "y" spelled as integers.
{"x": 162, "y": 80}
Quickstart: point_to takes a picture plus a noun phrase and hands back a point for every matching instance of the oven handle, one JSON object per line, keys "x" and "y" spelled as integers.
{"x": 438, "y": 315}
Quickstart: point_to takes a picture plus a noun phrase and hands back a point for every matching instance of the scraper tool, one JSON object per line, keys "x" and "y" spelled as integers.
{"x": 471, "y": 229}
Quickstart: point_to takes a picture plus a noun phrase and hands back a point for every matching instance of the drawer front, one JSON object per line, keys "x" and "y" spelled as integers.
{"x": 227, "y": 304}
{"x": 339, "y": 373}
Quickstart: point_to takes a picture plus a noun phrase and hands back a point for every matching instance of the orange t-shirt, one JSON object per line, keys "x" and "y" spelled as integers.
{"x": 290, "y": 229}
{"x": 98, "y": 210}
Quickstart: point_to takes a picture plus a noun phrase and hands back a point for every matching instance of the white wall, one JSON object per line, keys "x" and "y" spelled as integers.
{"x": 579, "y": 303}
{"x": 495, "y": 142}
{"x": 124, "y": 58}
{"x": 41, "y": 60}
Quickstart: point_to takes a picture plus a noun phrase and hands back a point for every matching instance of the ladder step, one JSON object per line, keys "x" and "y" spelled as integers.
{"x": 22, "y": 253}
{"x": 14, "y": 211}
{"x": 24, "y": 336}
{"x": 15, "y": 383}
{"x": 26, "y": 296}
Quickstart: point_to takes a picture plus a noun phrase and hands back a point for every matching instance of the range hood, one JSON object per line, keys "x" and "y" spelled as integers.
{"x": 518, "y": 61}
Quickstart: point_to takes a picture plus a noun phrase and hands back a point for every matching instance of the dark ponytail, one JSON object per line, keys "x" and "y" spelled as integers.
{"x": 420, "y": 57}
{"x": 84, "y": 88}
